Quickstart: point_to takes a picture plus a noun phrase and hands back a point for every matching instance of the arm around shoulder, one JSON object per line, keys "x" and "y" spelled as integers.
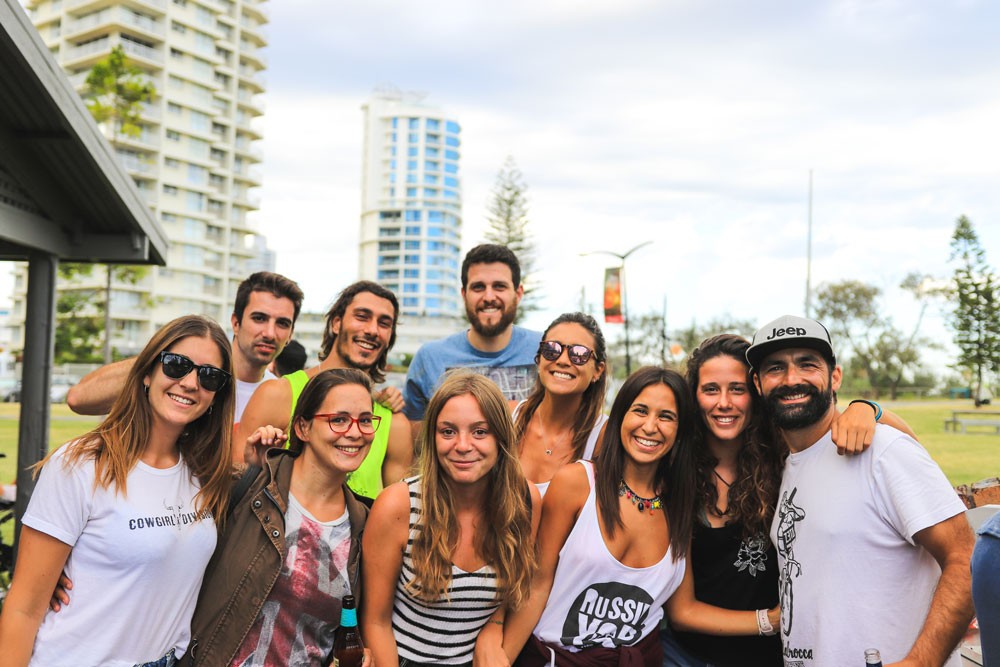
{"x": 96, "y": 392}
{"x": 270, "y": 405}
{"x": 399, "y": 450}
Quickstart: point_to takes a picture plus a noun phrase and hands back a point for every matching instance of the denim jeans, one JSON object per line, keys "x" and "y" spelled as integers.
{"x": 169, "y": 660}
{"x": 986, "y": 588}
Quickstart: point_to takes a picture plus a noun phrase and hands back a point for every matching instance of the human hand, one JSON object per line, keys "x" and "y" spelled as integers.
{"x": 392, "y": 398}
{"x": 489, "y": 647}
{"x": 60, "y": 596}
{"x": 854, "y": 429}
{"x": 260, "y": 441}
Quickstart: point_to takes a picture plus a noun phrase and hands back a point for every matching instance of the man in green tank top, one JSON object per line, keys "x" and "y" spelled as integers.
{"x": 359, "y": 332}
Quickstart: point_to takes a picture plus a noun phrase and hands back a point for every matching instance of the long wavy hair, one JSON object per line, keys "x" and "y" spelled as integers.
{"x": 117, "y": 444}
{"x": 592, "y": 401}
{"x": 754, "y": 493}
{"x": 675, "y": 472}
{"x": 315, "y": 393}
{"x": 506, "y": 505}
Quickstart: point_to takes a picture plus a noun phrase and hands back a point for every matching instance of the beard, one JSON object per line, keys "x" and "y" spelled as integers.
{"x": 802, "y": 415}
{"x": 343, "y": 347}
{"x": 507, "y": 316}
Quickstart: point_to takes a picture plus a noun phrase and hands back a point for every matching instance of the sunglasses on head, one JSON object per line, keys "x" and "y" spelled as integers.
{"x": 176, "y": 366}
{"x": 553, "y": 349}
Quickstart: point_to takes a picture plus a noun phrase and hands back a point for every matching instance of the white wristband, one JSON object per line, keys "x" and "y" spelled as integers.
{"x": 764, "y": 626}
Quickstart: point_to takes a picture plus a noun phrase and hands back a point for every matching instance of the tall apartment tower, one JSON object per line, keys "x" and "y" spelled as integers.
{"x": 411, "y": 209}
{"x": 194, "y": 157}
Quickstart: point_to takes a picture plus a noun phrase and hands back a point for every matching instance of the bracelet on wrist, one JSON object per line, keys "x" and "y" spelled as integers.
{"x": 872, "y": 404}
{"x": 764, "y": 627}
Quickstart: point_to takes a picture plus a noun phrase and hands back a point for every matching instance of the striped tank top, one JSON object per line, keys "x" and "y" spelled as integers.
{"x": 442, "y": 632}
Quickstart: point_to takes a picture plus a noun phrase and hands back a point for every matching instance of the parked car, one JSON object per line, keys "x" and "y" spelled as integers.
{"x": 10, "y": 390}
{"x": 60, "y": 386}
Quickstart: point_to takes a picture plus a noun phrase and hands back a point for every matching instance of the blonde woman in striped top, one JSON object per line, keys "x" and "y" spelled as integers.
{"x": 451, "y": 549}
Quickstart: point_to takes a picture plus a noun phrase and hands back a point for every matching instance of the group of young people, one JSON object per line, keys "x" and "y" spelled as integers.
{"x": 534, "y": 531}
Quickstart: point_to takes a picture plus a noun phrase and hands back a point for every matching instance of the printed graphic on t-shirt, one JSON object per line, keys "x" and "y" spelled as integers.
{"x": 752, "y": 556}
{"x": 788, "y": 515}
{"x": 297, "y": 623}
{"x": 515, "y": 382}
{"x": 608, "y": 611}
{"x": 174, "y": 516}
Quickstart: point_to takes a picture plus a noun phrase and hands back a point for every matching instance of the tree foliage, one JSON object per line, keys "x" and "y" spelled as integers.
{"x": 879, "y": 351}
{"x": 115, "y": 93}
{"x": 508, "y": 225}
{"x": 976, "y": 317}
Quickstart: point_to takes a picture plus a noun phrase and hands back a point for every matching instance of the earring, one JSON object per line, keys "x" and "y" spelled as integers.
{"x": 145, "y": 388}
{"x": 210, "y": 409}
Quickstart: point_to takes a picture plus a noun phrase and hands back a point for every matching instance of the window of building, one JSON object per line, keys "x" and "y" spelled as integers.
{"x": 413, "y": 137}
{"x": 410, "y": 302}
{"x": 435, "y": 232}
{"x": 450, "y": 168}
{"x": 177, "y": 27}
{"x": 412, "y": 231}
{"x": 433, "y": 138}
{"x": 453, "y": 127}
{"x": 431, "y": 165}
{"x": 388, "y": 246}
{"x": 430, "y": 179}
{"x": 452, "y": 141}
{"x": 430, "y": 151}
{"x": 412, "y": 151}
{"x": 173, "y": 135}
{"x": 411, "y": 245}
{"x": 411, "y": 288}
{"x": 411, "y": 273}
{"x": 451, "y": 182}
{"x": 431, "y": 192}
{"x": 414, "y": 123}
{"x": 388, "y": 215}
{"x": 450, "y": 194}
{"x": 170, "y": 190}
{"x": 411, "y": 259}
{"x": 411, "y": 165}
{"x": 451, "y": 155}
{"x": 433, "y": 124}
{"x": 411, "y": 192}
{"x": 411, "y": 178}
{"x": 171, "y": 163}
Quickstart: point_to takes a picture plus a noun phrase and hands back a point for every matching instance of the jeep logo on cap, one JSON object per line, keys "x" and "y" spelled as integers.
{"x": 789, "y": 331}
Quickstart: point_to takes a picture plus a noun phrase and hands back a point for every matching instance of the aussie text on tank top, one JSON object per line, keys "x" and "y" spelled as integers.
{"x": 607, "y": 611}
{"x": 177, "y": 517}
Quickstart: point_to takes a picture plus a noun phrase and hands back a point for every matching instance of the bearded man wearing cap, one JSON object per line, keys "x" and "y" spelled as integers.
{"x": 873, "y": 550}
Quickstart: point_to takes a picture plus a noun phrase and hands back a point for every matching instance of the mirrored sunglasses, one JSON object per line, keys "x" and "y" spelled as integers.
{"x": 176, "y": 366}
{"x": 553, "y": 349}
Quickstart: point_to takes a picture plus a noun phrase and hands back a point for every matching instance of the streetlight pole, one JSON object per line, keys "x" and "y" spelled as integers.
{"x": 622, "y": 258}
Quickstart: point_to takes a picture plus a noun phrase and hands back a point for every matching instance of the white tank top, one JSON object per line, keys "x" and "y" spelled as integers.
{"x": 597, "y": 601}
{"x": 588, "y": 449}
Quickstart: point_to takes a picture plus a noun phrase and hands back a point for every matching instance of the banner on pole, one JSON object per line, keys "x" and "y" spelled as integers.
{"x": 613, "y": 295}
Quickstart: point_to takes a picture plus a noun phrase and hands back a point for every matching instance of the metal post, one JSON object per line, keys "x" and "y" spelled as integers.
{"x": 36, "y": 375}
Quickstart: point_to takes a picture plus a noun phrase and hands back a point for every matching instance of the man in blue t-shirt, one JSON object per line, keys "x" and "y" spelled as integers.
{"x": 493, "y": 346}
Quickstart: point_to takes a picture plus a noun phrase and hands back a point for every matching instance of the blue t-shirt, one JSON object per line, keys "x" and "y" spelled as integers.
{"x": 512, "y": 368}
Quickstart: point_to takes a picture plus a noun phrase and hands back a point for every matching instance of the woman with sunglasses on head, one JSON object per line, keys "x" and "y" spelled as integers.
{"x": 613, "y": 538}
{"x": 127, "y": 509}
{"x": 290, "y": 551}
{"x": 561, "y": 421}
{"x": 732, "y": 563}
{"x": 451, "y": 549}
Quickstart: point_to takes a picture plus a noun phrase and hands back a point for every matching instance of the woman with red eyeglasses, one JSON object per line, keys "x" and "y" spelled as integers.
{"x": 291, "y": 549}
{"x": 129, "y": 510}
{"x": 561, "y": 421}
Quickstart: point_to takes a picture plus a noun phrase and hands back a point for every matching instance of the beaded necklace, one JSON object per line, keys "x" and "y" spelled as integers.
{"x": 641, "y": 503}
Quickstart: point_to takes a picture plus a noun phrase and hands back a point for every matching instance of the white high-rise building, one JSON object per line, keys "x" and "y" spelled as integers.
{"x": 194, "y": 157}
{"x": 411, "y": 210}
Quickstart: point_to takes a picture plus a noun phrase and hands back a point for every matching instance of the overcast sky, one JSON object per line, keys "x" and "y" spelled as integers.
{"x": 690, "y": 123}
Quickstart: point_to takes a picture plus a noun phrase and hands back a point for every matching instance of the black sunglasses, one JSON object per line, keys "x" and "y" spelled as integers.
{"x": 176, "y": 366}
{"x": 553, "y": 349}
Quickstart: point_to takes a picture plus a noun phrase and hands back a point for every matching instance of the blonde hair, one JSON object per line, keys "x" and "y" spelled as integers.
{"x": 506, "y": 506}
{"x": 117, "y": 444}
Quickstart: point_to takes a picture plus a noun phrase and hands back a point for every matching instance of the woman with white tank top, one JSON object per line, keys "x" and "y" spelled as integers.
{"x": 561, "y": 421}
{"x": 613, "y": 537}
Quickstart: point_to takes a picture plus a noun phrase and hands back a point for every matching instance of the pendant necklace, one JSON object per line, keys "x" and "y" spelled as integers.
{"x": 719, "y": 512}
{"x": 642, "y": 504}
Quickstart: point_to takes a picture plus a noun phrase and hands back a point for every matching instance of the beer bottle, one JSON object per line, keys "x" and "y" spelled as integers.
{"x": 873, "y": 658}
{"x": 348, "y": 651}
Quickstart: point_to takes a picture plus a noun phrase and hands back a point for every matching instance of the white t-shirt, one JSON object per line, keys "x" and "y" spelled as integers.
{"x": 244, "y": 390}
{"x": 851, "y": 576}
{"x": 137, "y": 563}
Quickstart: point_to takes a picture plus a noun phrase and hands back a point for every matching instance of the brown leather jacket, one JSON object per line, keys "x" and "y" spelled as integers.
{"x": 247, "y": 562}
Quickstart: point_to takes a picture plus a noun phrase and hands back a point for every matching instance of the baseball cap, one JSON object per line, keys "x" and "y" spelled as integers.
{"x": 790, "y": 331}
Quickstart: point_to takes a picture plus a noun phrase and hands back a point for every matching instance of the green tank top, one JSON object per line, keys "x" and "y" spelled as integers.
{"x": 367, "y": 479}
